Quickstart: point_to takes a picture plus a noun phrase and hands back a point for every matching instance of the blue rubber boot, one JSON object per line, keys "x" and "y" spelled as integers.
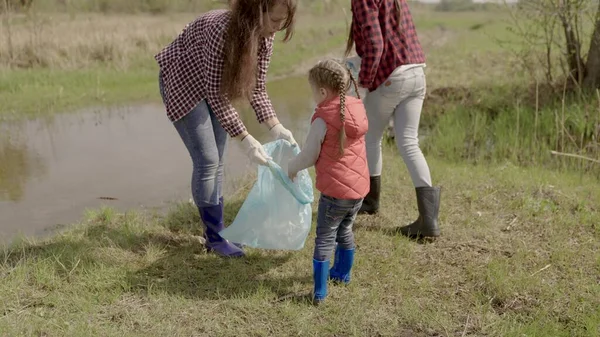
{"x": 212, "y": 217}
{"x": 336, "y": 262}
{"x": 344, "y": 259}
{"x": 320, "y": 273}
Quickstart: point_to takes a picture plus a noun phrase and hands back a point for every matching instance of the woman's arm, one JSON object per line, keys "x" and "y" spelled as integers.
{"x": 226, "y": 114}
{"x": 312, "y": 148}
{"x": 260, "y": 102}
{"x": 365, "y": 14}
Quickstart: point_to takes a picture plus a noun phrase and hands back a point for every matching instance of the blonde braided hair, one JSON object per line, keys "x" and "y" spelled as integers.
{"x": 336, "y": 77}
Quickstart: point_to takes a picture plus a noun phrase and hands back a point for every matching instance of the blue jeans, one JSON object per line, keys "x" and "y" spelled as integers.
{"x": 206, "y": 141}
{"x": 334, "y": 224}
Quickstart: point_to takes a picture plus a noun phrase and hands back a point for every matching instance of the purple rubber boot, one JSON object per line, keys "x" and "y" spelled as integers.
{"x": 212, "y": 217}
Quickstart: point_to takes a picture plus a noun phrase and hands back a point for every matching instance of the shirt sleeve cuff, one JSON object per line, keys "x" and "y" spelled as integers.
{"x": 234, "y": 130}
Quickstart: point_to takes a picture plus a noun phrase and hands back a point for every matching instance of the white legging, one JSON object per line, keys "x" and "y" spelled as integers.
{"x": 401, "y": 97}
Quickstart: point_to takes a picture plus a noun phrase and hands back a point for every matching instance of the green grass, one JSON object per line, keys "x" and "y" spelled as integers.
{"x": 483, "y": 127}
{"x": 123, "y": 76}
{"x": 42, "y": 92}
{"x": 483, "y": 107}
{"x": 518, "y": 256}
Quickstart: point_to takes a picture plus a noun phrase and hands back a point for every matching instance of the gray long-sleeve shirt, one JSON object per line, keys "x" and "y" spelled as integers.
{"x": 312, "y": 147}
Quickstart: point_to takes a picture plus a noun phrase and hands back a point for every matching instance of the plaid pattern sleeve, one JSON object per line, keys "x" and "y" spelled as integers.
{"x": 260, "y": 100}
{"x": 366, "y": 22}
{"x": 382, "y": 42}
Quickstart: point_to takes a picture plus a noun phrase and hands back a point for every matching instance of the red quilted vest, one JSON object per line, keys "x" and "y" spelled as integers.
{"x": 346, "y": 176}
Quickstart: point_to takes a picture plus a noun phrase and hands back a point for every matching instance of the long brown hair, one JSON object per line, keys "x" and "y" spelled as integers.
{"x": 242, "y": 42}
{"x": 335, "y": 77}
{"x": 350, "y": 42}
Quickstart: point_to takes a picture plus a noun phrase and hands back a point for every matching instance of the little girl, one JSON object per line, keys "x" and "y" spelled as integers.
{"x": 335, "y": 144}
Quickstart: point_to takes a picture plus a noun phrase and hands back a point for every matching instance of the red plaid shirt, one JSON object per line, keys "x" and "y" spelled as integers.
{"x": 380, "y": 43}
{"x": 192, "y": 66}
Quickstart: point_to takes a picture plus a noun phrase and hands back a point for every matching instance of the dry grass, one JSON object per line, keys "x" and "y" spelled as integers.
{"x": 518, "y": 257}
{"x": 63, "y": 42}
{"x": 80, "y": 40}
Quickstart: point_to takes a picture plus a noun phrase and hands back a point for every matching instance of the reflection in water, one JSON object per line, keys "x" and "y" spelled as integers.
{"x": 293, "y": 105}
{"x": 125, "y": 158}
{"x": 17, "y": 165}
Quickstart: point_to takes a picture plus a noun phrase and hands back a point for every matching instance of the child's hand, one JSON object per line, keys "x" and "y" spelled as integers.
{"x": 292, "y": 175}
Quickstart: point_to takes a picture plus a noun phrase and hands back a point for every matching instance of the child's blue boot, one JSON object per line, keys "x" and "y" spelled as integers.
{"x": 344, "y": 259}
{"x": 320, "y": 273}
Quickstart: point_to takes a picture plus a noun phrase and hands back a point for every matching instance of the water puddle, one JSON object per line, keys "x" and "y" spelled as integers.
{"x": 52, "y": 170}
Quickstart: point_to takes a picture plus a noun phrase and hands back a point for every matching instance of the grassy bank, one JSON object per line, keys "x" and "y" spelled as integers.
{"x": 480, "y": 129}
{"x": 60, "y": 62}
{"x": 484, "y": 106}
{"x": 518, "y": 257}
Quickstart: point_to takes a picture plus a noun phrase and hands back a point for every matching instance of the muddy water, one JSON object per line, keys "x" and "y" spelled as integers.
{"x": 52, "y": 170}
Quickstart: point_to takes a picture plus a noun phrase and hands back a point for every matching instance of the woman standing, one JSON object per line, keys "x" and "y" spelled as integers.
{"x": 222, "y": 56}
{"x": 392, "y": 70}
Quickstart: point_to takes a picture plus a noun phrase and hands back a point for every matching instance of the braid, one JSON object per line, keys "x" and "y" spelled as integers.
{"x": 332, "y": 74}
{"x": 342, "y": 87}
{"x": 353, "y": 80}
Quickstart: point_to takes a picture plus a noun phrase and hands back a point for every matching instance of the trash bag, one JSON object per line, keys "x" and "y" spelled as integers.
{"x": 277, "y": 212}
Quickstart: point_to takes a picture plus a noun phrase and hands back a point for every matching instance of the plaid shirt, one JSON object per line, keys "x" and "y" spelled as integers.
{"x": 380, "y": 43}
{"x": 192, "y": 66}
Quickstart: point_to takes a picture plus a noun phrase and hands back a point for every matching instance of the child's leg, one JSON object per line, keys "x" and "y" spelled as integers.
{"x": 345, "y": 246}
{"x": 329, "y": 217}
{"x": 345, "y": 235}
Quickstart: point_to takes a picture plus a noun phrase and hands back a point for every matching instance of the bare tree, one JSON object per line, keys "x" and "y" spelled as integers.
{"x": 554, "y": 32}
{"x": 592, "y": 78}
{"x": 568, "y": 19}
{"x": 7, "y": 5}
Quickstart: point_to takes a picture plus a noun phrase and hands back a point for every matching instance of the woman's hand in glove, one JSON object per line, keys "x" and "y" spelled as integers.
{"x": 254, "y": 150}
{"x": 279, "y": 132}
{"x": 291, "y": 173}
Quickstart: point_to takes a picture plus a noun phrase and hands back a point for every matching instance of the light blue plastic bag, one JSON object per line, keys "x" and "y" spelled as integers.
{"x": 277, "y": 212}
